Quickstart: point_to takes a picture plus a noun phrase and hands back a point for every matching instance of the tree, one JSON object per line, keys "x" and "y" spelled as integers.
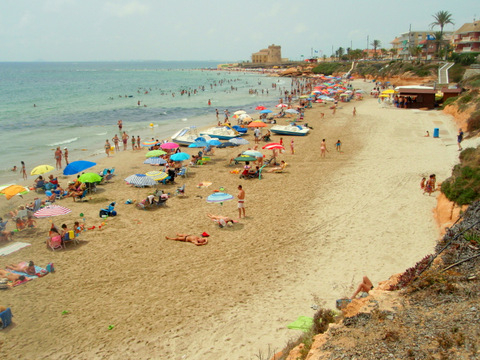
{"x": 376, "y": 44}
{"x": 393, "y": 52}
{"x": 442, "y": 18}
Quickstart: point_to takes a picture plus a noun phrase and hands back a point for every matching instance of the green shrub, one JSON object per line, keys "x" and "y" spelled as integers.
{"x": 326, "y": 68}
{"x": 456, "y": 72}
{"x": 450, "y": 100}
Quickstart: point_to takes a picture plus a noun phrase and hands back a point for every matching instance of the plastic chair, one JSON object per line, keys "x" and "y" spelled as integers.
{"x": 183, "y": 172}
{"x": 55, "y": 243}
{"x": 70, "y": 237}
{"x": 81, "y": 197}
{"x": 6, "y": 317}
{"x": 180, "y": 190}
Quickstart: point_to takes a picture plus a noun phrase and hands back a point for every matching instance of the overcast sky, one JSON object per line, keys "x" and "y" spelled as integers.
{"x": 221, "y": 30}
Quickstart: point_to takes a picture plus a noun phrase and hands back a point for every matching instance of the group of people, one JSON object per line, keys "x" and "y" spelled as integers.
{"x": 429, "y": 186}
{"x": 116, "y": 142}
{"x": 58, "y": 157}
{"x": 57, "y": 237}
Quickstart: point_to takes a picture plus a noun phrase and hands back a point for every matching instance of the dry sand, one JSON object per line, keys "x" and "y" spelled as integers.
{"x": 311, "y": 233}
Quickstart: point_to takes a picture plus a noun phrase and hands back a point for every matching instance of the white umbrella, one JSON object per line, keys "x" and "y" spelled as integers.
{"x": 239, "y": 112}
{"x": 253, "y": 153}
{"x": 140, "y": 180}
{"x": 239, "y": 141}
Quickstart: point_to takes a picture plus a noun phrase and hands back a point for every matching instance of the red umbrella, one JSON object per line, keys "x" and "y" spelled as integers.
{"x": 260, "y": 108}
{"x": 273, "y": 146}
{"x": 52, "y": 210}
{"x": 281, "y": 105}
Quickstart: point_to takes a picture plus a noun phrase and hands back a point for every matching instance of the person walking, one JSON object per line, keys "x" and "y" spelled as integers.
{"x": 323, "y": 148}
{"x": 24, "y": 171}
{"x": 65, "y": 155}
{"x": 460, "y": 139}
{"x": 58, "y": 158}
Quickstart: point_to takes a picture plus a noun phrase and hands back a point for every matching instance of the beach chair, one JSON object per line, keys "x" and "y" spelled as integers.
{"x": 6, "y": 317}
{"x": 3, "y": 225}
{"x": 183, "y": 172}
{"x": 180, "y": 190}
{"x": 81, "y": 197}
{"x": 56, "y": 243}
{"x": 70, "y": 237}
{"x": 260, "y": 172}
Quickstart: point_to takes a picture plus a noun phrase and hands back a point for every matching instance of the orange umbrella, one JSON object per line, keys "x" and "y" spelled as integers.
{"x": 257, "y": 124}
{"x": 12, "y": 190}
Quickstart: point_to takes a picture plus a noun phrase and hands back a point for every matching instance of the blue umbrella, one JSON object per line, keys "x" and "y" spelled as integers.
{"x": 214, "y": 142}
{"x": 266, "y": 111}
{"x": 200, "y": 138}
{"x": 219, "y": 197}
{"x": 140, "y": 180}
{"x": 77, "y": 166}
{"x": 181, "y": 156}
{"x": 198, "y": 144}
{"x": 240, "y": 129}
{"x": 155, "y": 161}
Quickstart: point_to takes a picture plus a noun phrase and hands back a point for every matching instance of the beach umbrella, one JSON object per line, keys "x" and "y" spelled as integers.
{"x": 77, "y": 166}
{"x": 240, "y": 112}
{"x": 155, "y": 153}
{"x": 41, "y": 169}
{"x": 254, "y": 153}
{"x": 245, "y": 158}
{"x": 12, "y": 190}
{"x": 266, "y": 111}
{"x": 226, "y": 144}
{"x": 157, "y": 175}
{"x": 240, "y": 129}
{"x": 245, "y": 117}
{"x": 140, "y": 180}
{"x": 219, "y": 197}
{"x": 214, "y": 142}
{"x": 303, "y": 97}
{"x": 273, "y": 146}
{"x": 181, "y": 156}
{"x": 281, "y": 105}
{"x": 155, "y": 161}
{"x": 260, "y": 107}
{"x": 198, "y": 144}
{"x": 291, "y": 111}
{"x": 257, "y": 124}
{"x": 149, "y": 143}
{"x": 51, "y": 210}
{"x": 169, "y": 145}
{"x": 389, "y": 91}
{"x": 239, "y": 141}
{"x": 90, "y": 178}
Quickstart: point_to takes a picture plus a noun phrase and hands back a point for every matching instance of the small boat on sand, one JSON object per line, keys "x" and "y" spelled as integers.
{"x": 221, "y": 132}
{"x": 295, "y": 130}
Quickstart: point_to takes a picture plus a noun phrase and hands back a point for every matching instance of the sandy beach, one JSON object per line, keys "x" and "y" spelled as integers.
{"x": 310, "y": 235}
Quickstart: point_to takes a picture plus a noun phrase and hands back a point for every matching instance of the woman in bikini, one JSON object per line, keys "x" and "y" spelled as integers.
{"x": 27, "y": 269}
{"x": 189, "y": 238}
{"x": 107, "y": 147}
{"x": 323, "y": 148}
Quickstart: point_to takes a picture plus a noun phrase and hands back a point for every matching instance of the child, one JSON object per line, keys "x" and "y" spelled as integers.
{"x": 78, "y": 228}
{"x": 20, "y": 224}
{"x": 292, "y": 147}
{"x": 422, "y": 183}
{"x": 339, "y": 145}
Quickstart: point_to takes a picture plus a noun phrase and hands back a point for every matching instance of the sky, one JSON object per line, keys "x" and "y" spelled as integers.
{"x": 218, "y": 30}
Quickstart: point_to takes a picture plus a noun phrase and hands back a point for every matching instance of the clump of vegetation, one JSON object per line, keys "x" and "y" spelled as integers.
{"x": 327, "y": 68}
{"x": 456, "y": 72}
{"x": 463, "y": 187}
{"x": 411, "y": 273}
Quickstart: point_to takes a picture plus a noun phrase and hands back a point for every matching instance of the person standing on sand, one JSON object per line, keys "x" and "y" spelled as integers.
{"x": 354, "y": 111}
{"x": 65, "y": 155}
{"x": 133, "y": 142}
{"x": 138, "y": 142}
{"x": 241, "y": 202}
{"x": 460, "y": 139}
{"x": 24, "y": 172}
{"x": 323, "y": 148}
{"x": 125, "y": 138}
{"x": 58, "y": 158}
{"x": 292, "y": 147}
{"x": 107, "y": 147}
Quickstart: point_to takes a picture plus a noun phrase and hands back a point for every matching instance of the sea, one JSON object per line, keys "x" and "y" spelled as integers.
{"x": 45, "y": 105}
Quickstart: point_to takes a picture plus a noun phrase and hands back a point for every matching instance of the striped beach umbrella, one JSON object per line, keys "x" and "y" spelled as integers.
{"x": 149, "y": 143}
{"x": 51, "y": 210}
{"x": 140, "y": 180}
{"x": 239, "y": 141}
{"x": 155, "y": 161}
{"x": 157, "y": 175}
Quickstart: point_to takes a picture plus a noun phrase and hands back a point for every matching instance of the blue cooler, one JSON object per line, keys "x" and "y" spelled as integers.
{"x": 436, "y": 132}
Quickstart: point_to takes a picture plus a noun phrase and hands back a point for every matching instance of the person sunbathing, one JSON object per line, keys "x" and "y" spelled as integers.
{"x": 278, "y": 168}
{"x": 27, "y": 269}
{"x": 189, "y": 238}
{"x": 221, "y": 220}
{"x": 365, "y": 286}
{"x": 11, "y": 277}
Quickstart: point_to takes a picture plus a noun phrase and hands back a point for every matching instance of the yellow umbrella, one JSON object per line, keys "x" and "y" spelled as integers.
{"x": 384, "y": 95}
{"x": 157, "y": 175}
{"x": 389, "y": 91}
{"x": 41, "y": 169}
{"x": 12, "y": 190}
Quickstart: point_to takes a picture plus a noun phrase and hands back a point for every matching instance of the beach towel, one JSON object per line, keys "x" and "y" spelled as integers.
{"x": 39, "y": 271}
{"x": 13, "y": 247}
{"x": 303, "y": 323}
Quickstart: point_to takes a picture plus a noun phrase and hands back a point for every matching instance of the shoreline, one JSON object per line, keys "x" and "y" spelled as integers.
{"x": 312, "y": 230}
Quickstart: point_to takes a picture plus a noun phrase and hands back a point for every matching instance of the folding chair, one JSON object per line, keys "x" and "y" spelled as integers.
{"x": 6, "y": 317}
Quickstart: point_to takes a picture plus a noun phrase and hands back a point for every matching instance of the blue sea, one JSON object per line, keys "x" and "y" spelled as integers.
{"x": 78, "y": 104}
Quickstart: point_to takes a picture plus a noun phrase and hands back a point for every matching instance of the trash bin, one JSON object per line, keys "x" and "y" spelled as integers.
{"x": 436, "y": 132}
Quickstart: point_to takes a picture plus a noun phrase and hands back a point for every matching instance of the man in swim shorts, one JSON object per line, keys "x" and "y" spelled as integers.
{"x": 241, "y": 201}
{"x": 189, "y": 238}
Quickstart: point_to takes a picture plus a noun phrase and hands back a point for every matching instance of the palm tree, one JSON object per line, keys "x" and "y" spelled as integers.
{"x": 376, "y": 44}
{"x": 442, "y": 18}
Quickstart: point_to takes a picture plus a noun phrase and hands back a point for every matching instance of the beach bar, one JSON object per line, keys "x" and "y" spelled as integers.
{"x": 418, "y": 98}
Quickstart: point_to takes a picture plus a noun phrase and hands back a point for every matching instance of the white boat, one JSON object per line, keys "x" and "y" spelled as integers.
{"x": 187, "y": 136}
{"x": 295, "y": 130}
{"x": 221, "y": 132}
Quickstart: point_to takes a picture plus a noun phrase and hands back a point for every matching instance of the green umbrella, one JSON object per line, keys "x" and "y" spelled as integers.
{"x": 245, "y": 158}
{"x": 155, "y": 153}
{"x": 90, "y": 178}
